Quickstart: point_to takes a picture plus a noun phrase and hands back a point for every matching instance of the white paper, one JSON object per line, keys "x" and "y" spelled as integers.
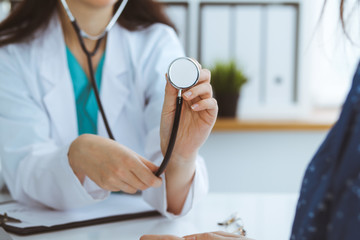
{"x": 116, "y": 204}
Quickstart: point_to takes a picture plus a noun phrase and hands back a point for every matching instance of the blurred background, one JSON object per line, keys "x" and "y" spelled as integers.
{"x": 298, "y": 70}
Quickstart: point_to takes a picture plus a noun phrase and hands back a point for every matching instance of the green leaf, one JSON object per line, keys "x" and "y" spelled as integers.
{"x": 226, "y": 77}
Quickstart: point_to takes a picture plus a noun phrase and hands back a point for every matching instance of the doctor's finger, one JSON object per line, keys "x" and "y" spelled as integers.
{"x": 206, "y": 104}
{"x": 119, "y": 186}
{"x": 127, "y": 188}
{"x": 226, "y": 234}
{"x": 170, "y": 95}
{"x": 210, "y": 236}
{"x": 132, "y": 180}
{"x": 220, "y": 235}
{"x": 203, "y": 90}
{"x": 145, "y": 174}
{"x": 205, "y": 75}
{"x": 160, "y": 237}
{"x": 149, "y": 164}
{"x": 170, "y": 89}
{"x": 197, "y": 63}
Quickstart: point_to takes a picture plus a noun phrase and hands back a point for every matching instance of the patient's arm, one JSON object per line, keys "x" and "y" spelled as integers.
{"x": 200, "y": 236}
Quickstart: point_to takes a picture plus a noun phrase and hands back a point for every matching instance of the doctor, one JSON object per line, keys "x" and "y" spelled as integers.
{"x": 54, "y": 147}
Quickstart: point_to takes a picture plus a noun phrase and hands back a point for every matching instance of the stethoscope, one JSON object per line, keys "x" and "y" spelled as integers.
{"x": 183, "y": 73}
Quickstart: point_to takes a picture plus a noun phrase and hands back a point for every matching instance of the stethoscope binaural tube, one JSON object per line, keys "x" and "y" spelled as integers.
{"x": 183, "y": 73}
{"x": 107, "y": 28}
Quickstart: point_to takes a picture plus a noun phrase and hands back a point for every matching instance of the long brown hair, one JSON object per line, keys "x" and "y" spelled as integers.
{"x": 31, "y": 15}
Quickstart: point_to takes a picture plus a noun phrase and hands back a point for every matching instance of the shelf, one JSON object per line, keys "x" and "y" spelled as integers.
{"x": 271, "y": 125}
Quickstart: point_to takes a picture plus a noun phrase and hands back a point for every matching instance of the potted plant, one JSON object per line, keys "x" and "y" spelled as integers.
{"x": 227, "y": 80}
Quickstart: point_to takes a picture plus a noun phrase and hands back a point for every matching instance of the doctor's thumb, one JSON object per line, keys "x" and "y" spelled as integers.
{"x": 169, "y": 98}
{"x": 170, "y": 90}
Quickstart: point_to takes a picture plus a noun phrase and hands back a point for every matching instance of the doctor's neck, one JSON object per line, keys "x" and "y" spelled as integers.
{"x": 91, "y": 19}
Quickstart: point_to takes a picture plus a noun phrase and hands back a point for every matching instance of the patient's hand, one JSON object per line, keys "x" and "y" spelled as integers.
{"x": 200, "y": 236}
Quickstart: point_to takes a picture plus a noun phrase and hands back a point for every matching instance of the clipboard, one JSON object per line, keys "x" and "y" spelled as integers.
{"x": 117, "y": 207}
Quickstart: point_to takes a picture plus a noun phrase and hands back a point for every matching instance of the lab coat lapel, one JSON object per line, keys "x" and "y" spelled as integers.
{"x": 116, "y": 77}
{"x": 59, "y": 97}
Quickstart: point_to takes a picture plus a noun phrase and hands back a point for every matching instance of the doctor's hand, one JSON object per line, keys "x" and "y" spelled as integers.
{"x": 111, "y": 165}
{"x": 197, "y": 118}
{"x": 199, "y": 111}
{"x": 201, "y": 236}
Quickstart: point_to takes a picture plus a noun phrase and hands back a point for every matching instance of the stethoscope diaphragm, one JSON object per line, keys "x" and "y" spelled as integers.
{"x": 183, "y": 73}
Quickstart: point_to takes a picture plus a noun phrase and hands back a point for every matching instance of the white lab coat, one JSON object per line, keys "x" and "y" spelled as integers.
{"x": 38, "y": 113}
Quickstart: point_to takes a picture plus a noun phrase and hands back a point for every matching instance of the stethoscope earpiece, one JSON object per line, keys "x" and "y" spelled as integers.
{"x": 183, "y": 73}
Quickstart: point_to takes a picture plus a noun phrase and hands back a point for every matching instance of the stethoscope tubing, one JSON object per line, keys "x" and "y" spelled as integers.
{"x": 89, "y": 55}
{"x": 172, "y": 140}
{"x": 177, "y": 116}
{"x": 97, "y": 96}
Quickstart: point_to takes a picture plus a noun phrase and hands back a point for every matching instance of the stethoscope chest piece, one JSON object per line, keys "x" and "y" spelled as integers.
{"x": 183, "y": 73}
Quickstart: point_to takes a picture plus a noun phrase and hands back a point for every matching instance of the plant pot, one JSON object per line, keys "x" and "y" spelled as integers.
{"x": 227, "y": 103}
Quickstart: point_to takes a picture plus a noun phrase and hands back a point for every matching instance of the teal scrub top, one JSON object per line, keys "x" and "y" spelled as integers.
{"x": 86, "y": 105}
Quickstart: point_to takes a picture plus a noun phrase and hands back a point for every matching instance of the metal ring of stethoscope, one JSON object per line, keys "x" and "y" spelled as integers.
{"x": 190, "y": 69}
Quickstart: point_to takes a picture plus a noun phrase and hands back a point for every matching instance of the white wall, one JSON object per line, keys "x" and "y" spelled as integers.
{"x": 275, "y": 161}
{"x": 272, "y": 161}
{"x": 328, "y": 59}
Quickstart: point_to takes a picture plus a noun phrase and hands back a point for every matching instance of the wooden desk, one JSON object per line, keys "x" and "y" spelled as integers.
{"x": 266, "y": 216}
{"x": 269, "y": 125}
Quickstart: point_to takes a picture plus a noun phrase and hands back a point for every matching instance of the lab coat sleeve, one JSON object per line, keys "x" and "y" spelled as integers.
{"x": 35, "y": 167}
{"x": 155, "y": 66}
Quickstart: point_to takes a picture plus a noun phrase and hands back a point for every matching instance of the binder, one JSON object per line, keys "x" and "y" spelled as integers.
{"x": 38, "y": 219}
